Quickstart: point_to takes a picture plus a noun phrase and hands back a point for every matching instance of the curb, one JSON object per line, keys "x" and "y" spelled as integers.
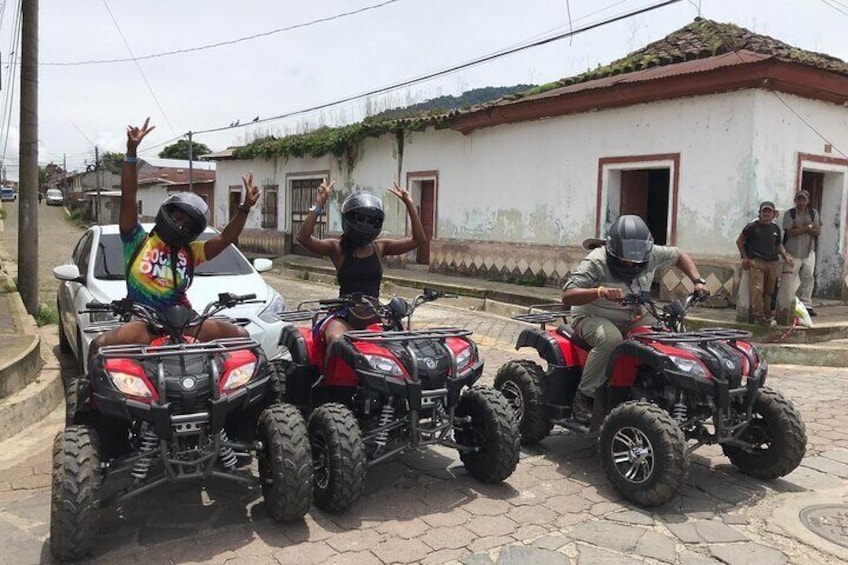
{"x": 23, "y": 367}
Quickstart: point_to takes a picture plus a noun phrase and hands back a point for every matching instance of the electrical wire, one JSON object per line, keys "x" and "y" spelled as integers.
{"x": 138, "y": 66}
{"x": 9, "y": 99}
{"x": 224, "y": 43}
{"x": 455, "y": 68}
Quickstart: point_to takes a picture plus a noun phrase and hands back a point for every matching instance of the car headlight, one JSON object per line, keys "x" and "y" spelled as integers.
{"x": 691, "y": 366}
{"x": 97, "y": 317}
{"x": 385, "y": 365}
{"x": 271, "y": 313}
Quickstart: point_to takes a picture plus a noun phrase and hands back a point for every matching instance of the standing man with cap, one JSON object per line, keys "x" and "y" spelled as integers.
{"x": 761, "y": 246}
{"x": 802, "y": 226}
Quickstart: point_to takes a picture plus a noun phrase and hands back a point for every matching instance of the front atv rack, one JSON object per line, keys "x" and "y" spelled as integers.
{"x": 699, "y": 336}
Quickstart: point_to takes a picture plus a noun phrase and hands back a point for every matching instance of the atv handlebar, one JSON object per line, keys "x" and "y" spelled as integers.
{"x": 126, "y": 307}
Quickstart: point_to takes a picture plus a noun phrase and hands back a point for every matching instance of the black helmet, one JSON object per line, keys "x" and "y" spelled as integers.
{"x": 629, "y": 244}
{"x": 178, "y": 234}
{"x": 362, "y": 217}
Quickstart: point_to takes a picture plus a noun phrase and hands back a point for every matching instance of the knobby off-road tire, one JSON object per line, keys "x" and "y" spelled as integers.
{"x": 779, "y": 437}
{"x": 71, "y": 400}
{"x": 339, "y": 457}
{"x": 75, "y": 496}
{"x": 285, "y": 464}
{"x": 520, "y": 381}
{"x": 64, "y": 344}
{"x": 643, "y": 452}
{"x": 493, "y": 428}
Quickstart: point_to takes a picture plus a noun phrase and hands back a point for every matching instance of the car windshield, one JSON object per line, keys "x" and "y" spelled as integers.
{"x": 109, "y": 261}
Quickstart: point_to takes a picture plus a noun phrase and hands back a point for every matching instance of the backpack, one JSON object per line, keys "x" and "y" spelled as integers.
{"x": 793, "y": 213}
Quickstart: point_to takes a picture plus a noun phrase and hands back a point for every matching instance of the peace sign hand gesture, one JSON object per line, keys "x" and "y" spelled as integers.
{"x": 251, "y": 192}
{"x": 136, "y": 134}
{"x": 401, "y": 193}
{"x": 324, "y": 191}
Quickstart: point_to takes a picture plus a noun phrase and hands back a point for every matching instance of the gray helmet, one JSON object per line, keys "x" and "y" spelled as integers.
{"x": 362, "y": 217}
{"x": 179, "y": 234}
{"x": 629, "y": 245}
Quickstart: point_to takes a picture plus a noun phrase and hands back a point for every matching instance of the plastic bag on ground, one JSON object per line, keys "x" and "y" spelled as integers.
{"x": 802, "y": 316}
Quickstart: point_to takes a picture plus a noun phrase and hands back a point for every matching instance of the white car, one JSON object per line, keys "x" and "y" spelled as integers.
{"x": 96, "y": 273}
{"x": 55, "y": 197}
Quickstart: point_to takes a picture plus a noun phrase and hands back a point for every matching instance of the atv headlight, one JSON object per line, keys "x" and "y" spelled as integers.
{"x": 385, "y": 365}
{"x": 99, "y": 316}
{"x": 691, "y": 366}
{"x": 239, "y": 368}
{"x": 271, "y": 313}
{"x": 463, "y": 359}
{"x": 129, "y": 378}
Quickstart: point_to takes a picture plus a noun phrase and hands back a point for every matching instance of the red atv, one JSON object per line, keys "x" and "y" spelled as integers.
{"x": 665, "y": 387}
{"x": 388, "y": 389}
{"x": 173, "y": 411}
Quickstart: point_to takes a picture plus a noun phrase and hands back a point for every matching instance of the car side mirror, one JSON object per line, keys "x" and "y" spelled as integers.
{"x": 70, "y": 273}
{"x": 261, "y": 264}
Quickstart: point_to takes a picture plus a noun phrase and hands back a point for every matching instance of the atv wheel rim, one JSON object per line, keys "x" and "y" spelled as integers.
{"x": 633, "y": 455}
{"x": 320, "y": 462}
{"x": 512, "y": 392}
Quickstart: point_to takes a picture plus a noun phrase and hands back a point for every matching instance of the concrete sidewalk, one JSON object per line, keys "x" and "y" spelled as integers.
{"x": 825, "y": 344}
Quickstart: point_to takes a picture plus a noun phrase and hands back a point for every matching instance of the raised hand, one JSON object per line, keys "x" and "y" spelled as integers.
{"x": 324, "y": 191}
{"x": 135, "y": 134}
{"x": 251, "y": 192}
{"x": 401, "y": 193}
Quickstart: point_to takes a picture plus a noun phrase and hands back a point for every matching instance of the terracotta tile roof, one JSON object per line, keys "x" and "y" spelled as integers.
{"x": 175, "y": 176}
{"x": 700, "y": 40}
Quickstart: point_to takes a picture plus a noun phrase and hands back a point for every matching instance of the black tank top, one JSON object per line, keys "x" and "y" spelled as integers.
{"x": 360, "y": 274}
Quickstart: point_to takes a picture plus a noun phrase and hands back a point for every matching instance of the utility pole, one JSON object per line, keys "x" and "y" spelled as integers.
{"x": 28, "y": 151}
{"x": 190, "y": 168}
{"x": 97, "y": 184}
{"x": 64, "y": 176}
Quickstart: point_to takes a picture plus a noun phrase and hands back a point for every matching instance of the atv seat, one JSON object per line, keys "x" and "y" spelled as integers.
{"x": 567, "y": 331}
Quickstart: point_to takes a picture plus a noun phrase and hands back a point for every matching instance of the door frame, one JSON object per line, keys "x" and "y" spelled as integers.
{"x": 831, "y": 167}
{"x": 413, "y": 185}
{"x": 608, "y": 198}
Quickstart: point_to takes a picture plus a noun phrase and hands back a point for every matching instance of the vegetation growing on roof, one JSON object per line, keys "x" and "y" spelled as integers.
{"x": 343, "y": 142}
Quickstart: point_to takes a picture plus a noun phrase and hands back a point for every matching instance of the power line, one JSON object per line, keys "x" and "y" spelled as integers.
{"x": 430, "y": 76}
{"x": 9, "y": 99}
{"x": 141, "y": 72}
{"x": 223, "y": 43}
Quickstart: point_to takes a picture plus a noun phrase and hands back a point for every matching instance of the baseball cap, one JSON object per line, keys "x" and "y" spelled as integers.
{"x": 801, "y": 193}
{"x": 767, "y": 204}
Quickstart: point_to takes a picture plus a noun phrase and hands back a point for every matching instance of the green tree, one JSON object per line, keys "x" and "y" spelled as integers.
{"x": 50, "y": 173}
{"x": 112, "y": 162}
{"x": 179, "y": 150}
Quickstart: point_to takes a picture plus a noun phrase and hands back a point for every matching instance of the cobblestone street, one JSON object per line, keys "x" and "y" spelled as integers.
{"x": 424, "y": 508}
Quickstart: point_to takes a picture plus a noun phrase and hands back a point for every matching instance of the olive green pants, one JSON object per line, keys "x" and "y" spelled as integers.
{"x": 604, "y": 336}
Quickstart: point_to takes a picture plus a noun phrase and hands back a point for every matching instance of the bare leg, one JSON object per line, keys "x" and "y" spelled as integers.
{"x": 218, "y": 329}
{"x": 130, "y": 333}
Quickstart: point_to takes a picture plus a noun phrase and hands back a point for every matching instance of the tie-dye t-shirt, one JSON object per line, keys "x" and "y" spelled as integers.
{"x": 150, "y": 278}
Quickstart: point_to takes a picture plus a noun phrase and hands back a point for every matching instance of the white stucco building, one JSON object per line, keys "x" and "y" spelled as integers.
{"x": 691, "y": 132}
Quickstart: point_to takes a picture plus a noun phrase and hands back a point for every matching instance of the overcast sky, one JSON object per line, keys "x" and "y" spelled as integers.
{"x": 286, "y": 71}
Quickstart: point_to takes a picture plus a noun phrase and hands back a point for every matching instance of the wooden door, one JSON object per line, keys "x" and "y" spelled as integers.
{"x": 427, "y": 213}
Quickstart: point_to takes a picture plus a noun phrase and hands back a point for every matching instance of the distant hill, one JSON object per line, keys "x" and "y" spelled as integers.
{"x": 445, "y": 103}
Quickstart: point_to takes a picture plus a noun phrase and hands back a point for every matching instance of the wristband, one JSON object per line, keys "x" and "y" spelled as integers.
{"x": 317, "y": 209}
{"x": 131, "y": 160}
{"x": 244, "y": 209}
{"x": 600, "y": 290}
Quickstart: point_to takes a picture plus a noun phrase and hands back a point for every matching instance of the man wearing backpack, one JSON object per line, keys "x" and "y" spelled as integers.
{"x": 801, "y": 228}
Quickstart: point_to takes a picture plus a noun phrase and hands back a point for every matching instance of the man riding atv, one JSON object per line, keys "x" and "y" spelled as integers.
{"x": 624, "y": 266}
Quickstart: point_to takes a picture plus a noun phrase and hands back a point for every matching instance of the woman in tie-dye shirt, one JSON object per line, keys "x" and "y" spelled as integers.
{"x": 160, "y": 265}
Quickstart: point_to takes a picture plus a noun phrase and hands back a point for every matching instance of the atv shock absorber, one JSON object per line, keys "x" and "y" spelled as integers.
{"x": 148, "y": 444}
{"x": 678, "y": 412}
{"x": 385, "y": 417}
{"x": 226, "y": 453}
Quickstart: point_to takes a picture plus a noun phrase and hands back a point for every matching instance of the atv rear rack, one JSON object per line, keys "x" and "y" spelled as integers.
{"x": 545, "y": 313}
{"x": 406, "y": 335}
{"x": 700, "y": 336}
{"x": 300, "y": 315}
{"x": 158, "y": 351}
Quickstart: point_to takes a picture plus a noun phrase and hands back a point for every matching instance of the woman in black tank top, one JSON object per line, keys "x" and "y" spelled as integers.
{"x": 357, "y": 254}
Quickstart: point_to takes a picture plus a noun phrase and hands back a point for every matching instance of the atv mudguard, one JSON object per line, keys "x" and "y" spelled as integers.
{"x": 552, "y": 346}
{"x": 302, "y": 372}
